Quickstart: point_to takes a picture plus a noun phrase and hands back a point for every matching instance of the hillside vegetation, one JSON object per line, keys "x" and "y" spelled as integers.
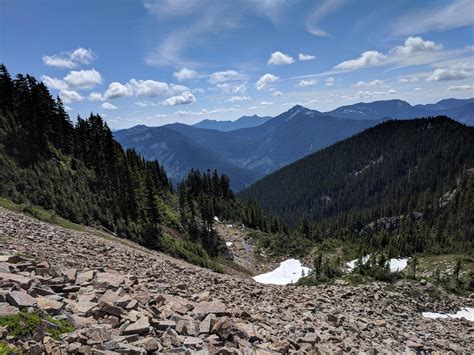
{"x": 406, "y": 186}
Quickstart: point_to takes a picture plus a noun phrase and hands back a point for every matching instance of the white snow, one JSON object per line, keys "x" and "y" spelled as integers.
{"x": 288, "y": 272}
{"x": 398, "y": 264}
{"x": 216, "y": 219}
{"x": 395, "y": 264}
{"x": 467, "y": 313}
{"x": 228, "y": 244}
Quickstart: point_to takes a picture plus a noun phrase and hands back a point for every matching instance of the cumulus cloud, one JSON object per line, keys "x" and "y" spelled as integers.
{"x": 415, "y": 50}
{"x": 149, "y": 88}
{"x": 367, "y": 58}
{"x": 239, "y": 98}
{"x": 226, "y": 75}
{"x": 83, "y": 79}
{"x": 96, "y": 96}
{"x": 364, "y": 84}
{"x": 329, "y": 81}
{"x": 265, "y": 81}
{"x": 306, "y": 57}
{"x": 414, "y": 45}
{"x": 183, "y": 99}
{"x": 108, "y": 106}
{"x": 277, "y": 94}
{"x": 309, "y": 82}
{"x": 54, "y": 83}
{"x": 70, "y": 59}
{"x": 408, "y": 79}
{"x": 448, "y": 74}
{"x": 266, "y": 103}
{"x": 204, "y": 112}
{"x": 116, "y": 90}
{"x": 279, "y": 58}
{"x": 461, "y": 88}
{"x": 185, "y": 74}
{"x": 68, "y": 96}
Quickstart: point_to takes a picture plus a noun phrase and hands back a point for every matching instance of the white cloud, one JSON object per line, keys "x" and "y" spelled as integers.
{"x": 185, "y": 74}
{"x": 69, "y": 96}
{"x": 234, "y": 88}
{"x": 204, "y": 112}
{"x": 408, "y": 79}
{"x": 183, "y": 99}
{"x": 415, "y": 45}
{"x": 265, "y": 81}
{"x": 117, "y": 90}
{"x": 226, "y": 75}
{"x": 329, "y": 81}
{"x": 279, "y": 58}
{"x": 82, "y": 55}
{"x": 266, "y": 103}
{"x": 461, "y": 88}
{"x": 415, "y": 51}
{"x": 322, "y": 10}
{"x": 309, "y": 82}
{"x": 448, "y": 74}
{"x": 306, "y": 57}
{"x": 108, "y": 106}
{"x": 364, "y": 84}
{"x": 277, "y": 93}
{"x": 96, "y": 96}
{"x": 54, "y": 83}
{"x": 59, "y": 62}
{"x": 239, "y": 98}
{"x": 392, "y": 92}
{"x": 367, "y": 58}
{"x": 149, "y": 88}
{"x": 452, "y": 15}
{"x": 70, "y": 59}
{"x": 83, "y": 79}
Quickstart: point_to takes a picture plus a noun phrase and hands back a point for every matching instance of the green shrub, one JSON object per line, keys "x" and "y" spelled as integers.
{"x": 22, "y": 324}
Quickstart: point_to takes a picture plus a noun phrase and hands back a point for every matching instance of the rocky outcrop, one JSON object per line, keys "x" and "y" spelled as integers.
{"x": 122, "y": 298}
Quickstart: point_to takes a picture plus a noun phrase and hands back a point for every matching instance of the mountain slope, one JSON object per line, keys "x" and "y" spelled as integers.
{"x": 457, "y": 109}
{"x": 395, "y": 168}
{"x": 179, "y": 154}
{"x": 225, "y": 126}
{"x": 280, "y": 141}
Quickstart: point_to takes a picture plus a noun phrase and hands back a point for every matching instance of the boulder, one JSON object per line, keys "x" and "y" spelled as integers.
{"x": 20, "y": 299}
{"x": 50, "y": 306}
{"x": 141, "y": 326}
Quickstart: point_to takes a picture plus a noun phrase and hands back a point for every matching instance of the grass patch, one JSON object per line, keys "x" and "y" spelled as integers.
{"x": 63, "y": 327}
{"x": 22, "y": 324}
{"x": 6, "y": 348}
{"x": 41, "y": 214}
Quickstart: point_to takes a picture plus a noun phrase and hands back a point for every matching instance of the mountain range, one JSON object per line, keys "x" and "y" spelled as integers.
{"x": 225, "y": 126}
{"x": 247, "y": 154}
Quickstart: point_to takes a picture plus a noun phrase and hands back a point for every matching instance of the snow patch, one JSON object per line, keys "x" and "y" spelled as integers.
{"x": 216, "y": 219}
{"x": 228, "y": 244}
{"x": 398, "y": 264}
{"x": 395, "y": 264}
{"x": 288, "y": 272}
{"x": 467, "y": 313}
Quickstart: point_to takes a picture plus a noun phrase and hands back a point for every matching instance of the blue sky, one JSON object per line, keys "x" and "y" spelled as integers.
{"x": 159, "y": 61}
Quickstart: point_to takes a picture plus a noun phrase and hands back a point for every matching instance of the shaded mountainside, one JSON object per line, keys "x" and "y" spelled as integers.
{"x": 257, "y": 150}
{"x": 179, "y": 154}
{"x": 225, "y": 126}
{"x": 422, "y": 168}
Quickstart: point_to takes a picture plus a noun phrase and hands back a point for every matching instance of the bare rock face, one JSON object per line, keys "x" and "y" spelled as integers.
{"x": 122, "y": 298}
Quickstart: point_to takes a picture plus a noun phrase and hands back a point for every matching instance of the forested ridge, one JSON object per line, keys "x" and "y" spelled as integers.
{"x": 403, "y": 185}
{"x": 81, "y": 173}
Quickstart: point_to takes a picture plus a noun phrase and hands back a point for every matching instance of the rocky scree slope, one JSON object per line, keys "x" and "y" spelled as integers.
{"x": 122, "y": 298}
